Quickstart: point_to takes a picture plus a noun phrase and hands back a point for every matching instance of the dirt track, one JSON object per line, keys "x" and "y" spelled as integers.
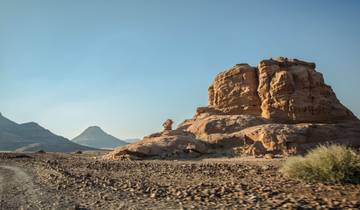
{"x": 70, "y": 181}
{"x": 17, "y": 189}
{"x": 20, "y": 188}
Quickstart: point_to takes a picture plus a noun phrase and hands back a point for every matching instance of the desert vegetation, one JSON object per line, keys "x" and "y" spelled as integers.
{"x": 326, "y": 163}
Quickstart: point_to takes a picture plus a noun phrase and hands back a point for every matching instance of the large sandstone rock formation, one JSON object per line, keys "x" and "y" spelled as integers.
{"x": 282, "y": 107}
{"x": 284, "y": 90}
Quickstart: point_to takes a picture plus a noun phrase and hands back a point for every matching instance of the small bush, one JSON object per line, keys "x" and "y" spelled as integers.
{"x": 326, "y": 163}
{"x": 41, "y": 151}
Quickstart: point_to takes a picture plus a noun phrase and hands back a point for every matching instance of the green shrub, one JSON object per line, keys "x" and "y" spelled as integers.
{"x": 326, "y": 163}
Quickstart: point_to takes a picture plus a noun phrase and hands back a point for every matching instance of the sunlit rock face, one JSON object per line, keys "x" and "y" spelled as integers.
{"x": 293, "y": 91}
{"x": 235, "y": 91}
{"x": 284, "y": 90}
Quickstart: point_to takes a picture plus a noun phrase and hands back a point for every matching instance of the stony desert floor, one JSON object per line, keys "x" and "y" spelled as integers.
{"x": 84, "y": 181}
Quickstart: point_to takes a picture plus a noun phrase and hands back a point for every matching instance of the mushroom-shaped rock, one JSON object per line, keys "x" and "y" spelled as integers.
{"x": 167, "y": 125}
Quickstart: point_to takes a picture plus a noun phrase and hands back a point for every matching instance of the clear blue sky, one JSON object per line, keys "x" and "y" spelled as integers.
{"x": 128, "y": 65}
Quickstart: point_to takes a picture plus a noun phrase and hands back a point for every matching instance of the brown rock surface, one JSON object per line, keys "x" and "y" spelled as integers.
{"x": 292, "y": 91}
{"x": 283, "y": 107}
{"x": 284, "y": 90}
{"x": 235, "y": 91}
{"x": 213, "y": 127}
{"x": 260, "y": 136}
{"x": 287, "y": 139}
{"x": 168, "y": 125}
{"x": 167, "y": 144}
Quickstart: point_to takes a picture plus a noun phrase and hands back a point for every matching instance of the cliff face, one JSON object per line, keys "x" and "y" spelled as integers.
{"x": 284, "y": 90}
{"x": 280, "y": 107}
{"x": 235, "y": 91}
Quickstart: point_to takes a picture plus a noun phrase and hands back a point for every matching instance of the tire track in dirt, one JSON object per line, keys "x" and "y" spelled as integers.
{"x": 17, "y": 190}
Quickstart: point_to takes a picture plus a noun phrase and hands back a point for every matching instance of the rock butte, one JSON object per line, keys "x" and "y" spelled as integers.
{"x": 280, "y": 107}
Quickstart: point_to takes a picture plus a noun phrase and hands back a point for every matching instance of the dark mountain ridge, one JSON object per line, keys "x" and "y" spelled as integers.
{"x": 32, "y": 137}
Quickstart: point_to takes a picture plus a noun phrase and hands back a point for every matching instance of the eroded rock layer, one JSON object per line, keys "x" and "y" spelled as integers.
{"x": 235, "y": 91}
{"x": 284, "y": 90}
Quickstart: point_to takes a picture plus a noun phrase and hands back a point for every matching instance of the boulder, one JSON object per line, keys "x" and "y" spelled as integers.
{"x": 168, "y": 125}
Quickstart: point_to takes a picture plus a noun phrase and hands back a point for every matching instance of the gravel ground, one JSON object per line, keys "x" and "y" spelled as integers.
{"x": 82, "y": 181}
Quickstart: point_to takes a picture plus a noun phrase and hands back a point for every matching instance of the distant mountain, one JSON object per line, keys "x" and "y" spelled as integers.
{"x": 32, "y": 137}
{"x": 132, "y": 140}
{"x": 94, "y": 136}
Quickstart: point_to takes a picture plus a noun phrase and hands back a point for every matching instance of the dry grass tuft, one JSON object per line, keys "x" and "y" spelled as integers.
{"x": 326, "y": 163}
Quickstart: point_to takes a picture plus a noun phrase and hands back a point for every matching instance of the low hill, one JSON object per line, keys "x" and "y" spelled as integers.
{"x": 95, "y": 137}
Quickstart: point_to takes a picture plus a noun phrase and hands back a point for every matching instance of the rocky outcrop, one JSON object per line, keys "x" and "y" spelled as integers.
{"x": 260, "y": 136}
{"x": 280, "y": 107}
{"x": 292, "y": 91}
{"x": 212, "y": 127}
{"x": 283, "y": 90}
{"x": 166, "y": 144}
{"x": 289, "y": 139}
